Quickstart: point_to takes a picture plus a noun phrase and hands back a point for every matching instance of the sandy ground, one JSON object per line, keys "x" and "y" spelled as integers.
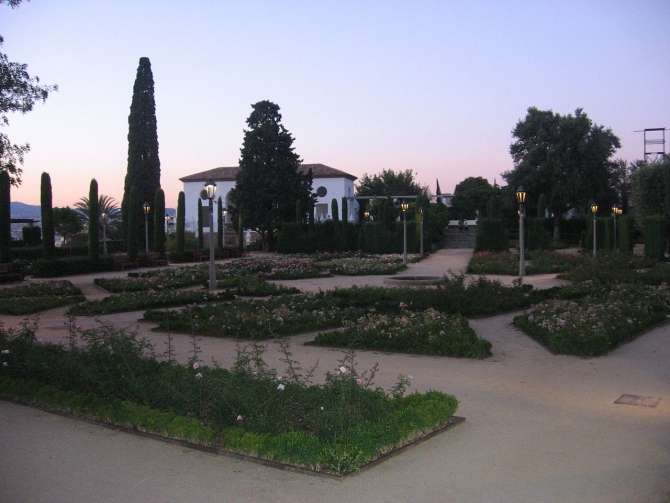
{"x": 539, "y": 428}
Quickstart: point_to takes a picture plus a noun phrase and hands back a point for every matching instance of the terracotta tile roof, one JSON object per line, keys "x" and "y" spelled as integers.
{"x": 229, "y": 174}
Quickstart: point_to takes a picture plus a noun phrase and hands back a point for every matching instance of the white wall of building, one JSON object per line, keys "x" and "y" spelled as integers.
{"x": 335, "y": 188}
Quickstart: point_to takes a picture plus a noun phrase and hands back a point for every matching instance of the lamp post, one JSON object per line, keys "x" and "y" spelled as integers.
{"x": 146, "y": 209}
{"x": 521, "y": 199}
{"x": 421, "y": 243}
{"x": 594, "y": 210}
{"x": 405, "y": 206}
{"x": 210, "y": 187}
{"x": 223, "y": 227}
{"x": 167, "y": 223}
{"x": 104, "y": 233}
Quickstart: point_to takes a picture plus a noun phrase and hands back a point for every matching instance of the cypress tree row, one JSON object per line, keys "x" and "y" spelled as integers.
{"x": 201, "y": 238}
{"x": 181, "y": 222}
{"x": 159, "y": 222}
{"x": 48, "y": 233}
{"x": 93, "y": 222}
{"x": 334, "y": 210}
{"x": 345, "y": 210}
{"x": 144, "y": 171}
{"x": 298, "y": 211}
{"x": 133, "y": 223}
{"x": 5, "y": 218}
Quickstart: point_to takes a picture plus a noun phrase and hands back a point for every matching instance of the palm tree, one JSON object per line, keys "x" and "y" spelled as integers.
{"x": 107, "y": 205}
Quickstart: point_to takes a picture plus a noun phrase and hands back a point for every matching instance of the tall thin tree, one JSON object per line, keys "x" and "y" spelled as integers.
{"x": 5, "y": 217}
{"x": 134, "y": 219}
{"x": 159, "y": 222}
{"x": 181, "y": 222}
{"x": 48, "y": 234}
{"x": 93, "y": 219}
{"x": 144, "y": 169}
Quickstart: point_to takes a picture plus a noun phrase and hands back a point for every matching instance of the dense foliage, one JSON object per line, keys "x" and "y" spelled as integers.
{"x": 35, "y": 297}
{"x": 144, "y": 169}
{"x": 110, "y": 375}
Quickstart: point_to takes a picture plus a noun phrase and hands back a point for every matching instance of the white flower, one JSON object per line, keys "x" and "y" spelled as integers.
{"x": 4, "y": 364}
{"x": 343, "y": 370}
{"x": 196, "y": 366}
{"x": 239, "y": 418}
{"x": 280, "y": 387}
{"x": 5, "y": 351}
{"x": 198, "y": 375}
{"x": 359, "y": 382}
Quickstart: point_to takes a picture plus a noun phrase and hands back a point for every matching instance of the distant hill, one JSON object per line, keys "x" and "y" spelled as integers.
{"x": 22, "y": 210}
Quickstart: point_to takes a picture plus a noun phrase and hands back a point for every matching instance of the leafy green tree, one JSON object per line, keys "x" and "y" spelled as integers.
{"x": 144, "y": 169}
{"x": 18, "y": 93}
{"x": 48, "y": 235}
{"x": 650, "y": 191}
{"x": 390, "y": 183}
{"x": 471, "y": 197}
{"x": 67, "y": 224}
{"x": 269, "y": 183}
{"x": 5, "y": 218}
{"x": 181, "y": 222}
{"x": 93, "y": 230}
{"x": 567, "y": 158}
{"x": 159, "y": 222}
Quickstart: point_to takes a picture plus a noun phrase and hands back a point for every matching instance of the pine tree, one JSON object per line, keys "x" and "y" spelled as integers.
{"x": 181, "y": 222}
{"x": 144, "y": 171}
{"x": 48, "y": 237}
{"x": 5, "y": 218}
{"x": 159, "y": 222}
{"x": 268, "y": 182}
{"x": 93, "y": 222}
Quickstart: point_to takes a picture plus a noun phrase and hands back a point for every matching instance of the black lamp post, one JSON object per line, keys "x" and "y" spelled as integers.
{"x": 210, "y": 187}
{"x": 616, "y": 211}
{"x": 146, "y": 209}
{"x": 405, "y": 206}
{"x": 521, "y": 199}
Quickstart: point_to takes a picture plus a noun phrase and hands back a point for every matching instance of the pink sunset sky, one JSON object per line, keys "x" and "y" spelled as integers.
{"x": 431, "y": 86}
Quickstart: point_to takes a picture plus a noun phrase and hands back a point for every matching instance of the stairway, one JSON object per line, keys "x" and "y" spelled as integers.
{"x": 454, "y": 239}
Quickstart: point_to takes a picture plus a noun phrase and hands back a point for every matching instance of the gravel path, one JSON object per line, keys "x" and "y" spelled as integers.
{"x": 539, "y": 428}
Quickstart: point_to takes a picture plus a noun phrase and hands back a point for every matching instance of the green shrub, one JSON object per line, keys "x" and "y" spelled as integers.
{"x": 626, "y": 231}
{"x": 32, "y": 236}
{"x": 654, "y": 237}
{"x": 491, "y": 236}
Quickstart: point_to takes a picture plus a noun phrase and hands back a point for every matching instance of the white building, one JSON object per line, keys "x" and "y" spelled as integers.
{"x": 328, "y": 184}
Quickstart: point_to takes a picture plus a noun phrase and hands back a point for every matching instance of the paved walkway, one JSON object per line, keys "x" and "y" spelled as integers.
{"x": 539, "y": 428}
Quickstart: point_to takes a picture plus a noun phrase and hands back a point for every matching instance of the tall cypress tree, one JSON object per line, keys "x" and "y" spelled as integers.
{"x": 133, "y": 223}
{"x": 5, "y": 218}
{"x": 181, "y": 222}
{"x": 159, "y": 222}
{"x": 144, "y": 169}
{"x": 93, "y": 222}
{"x": 48, "y": 234}
{"x": 201, "y": 238}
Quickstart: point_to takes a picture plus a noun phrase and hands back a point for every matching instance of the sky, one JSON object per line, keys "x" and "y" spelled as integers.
{"x": 363, "y": 85}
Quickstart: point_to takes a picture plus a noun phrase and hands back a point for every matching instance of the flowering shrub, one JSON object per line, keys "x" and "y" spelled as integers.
{"x": 537, "y": 262}
{"x": 111, "y": 376}
{"x": 427, "y": 332}
{"x": 358, "y": 266}
{"x": 598, "y": 322}
{"x": 258, "y": 318}
{"x": 35, "y": 297}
